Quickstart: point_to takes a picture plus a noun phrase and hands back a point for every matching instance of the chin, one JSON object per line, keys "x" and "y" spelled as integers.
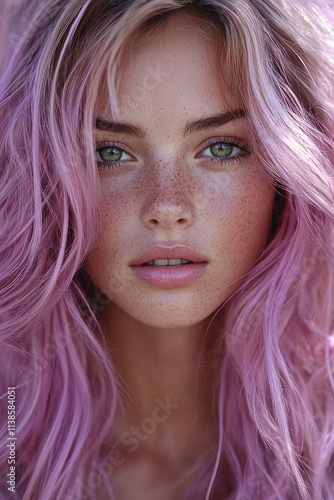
{"x": 170, "y": 320}
{"x": 167, "y": 323}
{"x": 163, "y": 316}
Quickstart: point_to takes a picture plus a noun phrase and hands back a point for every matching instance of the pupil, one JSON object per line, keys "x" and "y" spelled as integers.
{"x": 221, "y": 149}
{"x": 110, "y": 154}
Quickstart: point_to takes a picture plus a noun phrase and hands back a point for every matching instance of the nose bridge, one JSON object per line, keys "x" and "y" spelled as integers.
{"x": 169, "y": 193}
{"x": 170, "y": 180}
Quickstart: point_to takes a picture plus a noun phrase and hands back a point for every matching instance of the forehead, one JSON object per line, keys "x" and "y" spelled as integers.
{"x": 174, "y": 66}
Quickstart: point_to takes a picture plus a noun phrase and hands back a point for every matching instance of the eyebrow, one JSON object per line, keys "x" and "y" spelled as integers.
{"x": 214, "y": 121}
{"x": 120, "y": 128}
{"x": 202, "y": 124}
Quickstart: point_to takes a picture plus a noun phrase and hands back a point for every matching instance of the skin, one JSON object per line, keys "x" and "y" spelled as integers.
{"x": 169, "y": 190}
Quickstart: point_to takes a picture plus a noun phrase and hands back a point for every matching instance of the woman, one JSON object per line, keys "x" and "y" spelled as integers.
{"x": 167, "y": 256}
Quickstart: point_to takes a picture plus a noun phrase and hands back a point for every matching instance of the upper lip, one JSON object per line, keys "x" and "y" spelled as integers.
{"x": 164, "y": 252}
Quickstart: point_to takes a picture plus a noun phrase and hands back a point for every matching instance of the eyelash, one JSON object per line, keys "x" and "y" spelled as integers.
{"x": 237, "y": 143}
{"x": 232, "y": 141}
{"x": 113, "y": 165}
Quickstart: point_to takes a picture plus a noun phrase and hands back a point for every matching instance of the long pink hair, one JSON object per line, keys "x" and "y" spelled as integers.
{"x": 271, "y": 343}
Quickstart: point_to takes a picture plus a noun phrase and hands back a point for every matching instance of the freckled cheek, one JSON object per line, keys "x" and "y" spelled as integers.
{"x": 116, "y": 207}
{"x": 241, "y": 215}
{"x": 115, "y": 210}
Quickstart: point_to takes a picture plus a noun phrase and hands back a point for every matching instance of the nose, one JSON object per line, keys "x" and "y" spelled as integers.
{"x": 169, "y": 202}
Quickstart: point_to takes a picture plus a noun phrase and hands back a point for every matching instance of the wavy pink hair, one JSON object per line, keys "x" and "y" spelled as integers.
{"x": 271, "y": 343}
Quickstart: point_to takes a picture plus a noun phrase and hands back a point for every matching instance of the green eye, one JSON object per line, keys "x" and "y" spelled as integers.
{"x": 110, "y": 154}
{"x": 225, "y": 152}
{"x": 221, "y": 149}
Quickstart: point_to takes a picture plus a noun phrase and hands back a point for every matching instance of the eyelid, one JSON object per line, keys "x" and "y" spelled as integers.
{"x": 110, "y": 144}
{"x": 234, "y": 141}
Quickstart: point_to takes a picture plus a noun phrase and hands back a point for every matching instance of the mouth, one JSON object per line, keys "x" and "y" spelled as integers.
{"x": 169, "y": 266}
{"x": 169, "y": 273}
{"x": 168, "y": 262}
{"x": 169, "y": 255}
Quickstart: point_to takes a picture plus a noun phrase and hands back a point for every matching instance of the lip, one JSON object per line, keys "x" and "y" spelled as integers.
{"x": 168, "y": 252}
{"x": 169, "y": 276}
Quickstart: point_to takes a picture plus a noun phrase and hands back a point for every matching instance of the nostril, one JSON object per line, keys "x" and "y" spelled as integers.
{"x": 167, "y": 215}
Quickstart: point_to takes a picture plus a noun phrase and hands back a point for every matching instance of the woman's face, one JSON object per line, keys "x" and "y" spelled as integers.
{"x": 176, "y": 178}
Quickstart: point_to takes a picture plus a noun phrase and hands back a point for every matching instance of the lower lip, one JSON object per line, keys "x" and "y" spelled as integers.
{"x": 170, "y": 276}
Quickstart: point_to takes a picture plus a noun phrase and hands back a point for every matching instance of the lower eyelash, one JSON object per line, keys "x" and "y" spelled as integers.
{"x": 224, "y": 160}
{"x": 108, "y": 166}
{"x": 230, "y": 161}
{"x": 227, "y": 160}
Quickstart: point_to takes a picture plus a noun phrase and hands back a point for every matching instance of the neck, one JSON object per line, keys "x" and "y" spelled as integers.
{"x": 162, "y": 385}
